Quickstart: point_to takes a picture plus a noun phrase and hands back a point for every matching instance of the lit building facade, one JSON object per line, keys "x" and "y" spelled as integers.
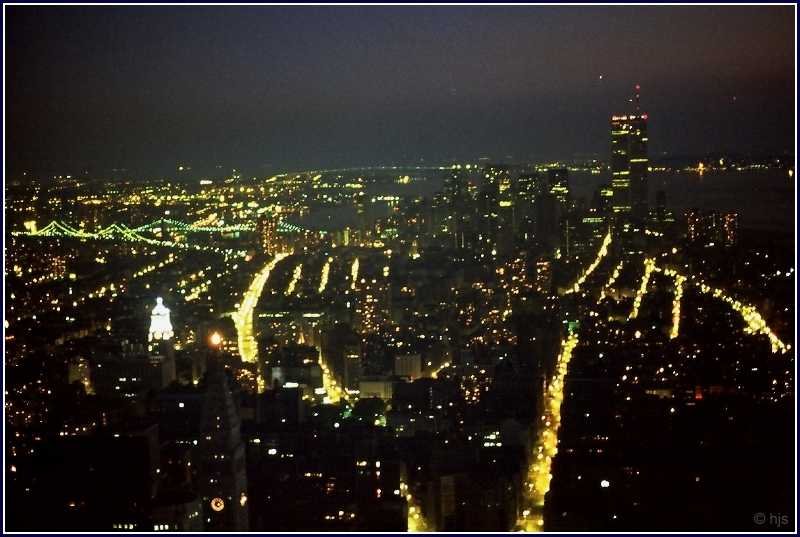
{"x": 558, "y": 185}
{"x": 160, "y": 348}
{"x": 160, "y": 323}
{"x": 629, "y": 161}
{"x": 373, "y": 305}
{"x": 730, "y": 228}
{"x": 712, "y": 227}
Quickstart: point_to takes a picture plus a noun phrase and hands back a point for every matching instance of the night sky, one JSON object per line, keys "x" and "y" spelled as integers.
{"x": 265, "y": 89}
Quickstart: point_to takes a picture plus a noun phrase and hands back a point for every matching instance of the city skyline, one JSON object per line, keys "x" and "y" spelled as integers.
{"x": 261, "y": 88}
{"x": 596, "y": 343}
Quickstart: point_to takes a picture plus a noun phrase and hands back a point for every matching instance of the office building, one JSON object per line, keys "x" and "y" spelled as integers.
{"x": 629, "y": 161}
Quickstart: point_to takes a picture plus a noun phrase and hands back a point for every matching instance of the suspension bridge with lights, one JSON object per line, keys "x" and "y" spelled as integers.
{"x": 121, "y": 232}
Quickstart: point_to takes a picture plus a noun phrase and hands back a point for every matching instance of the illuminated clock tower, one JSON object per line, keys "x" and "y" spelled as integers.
{"x": 159, "y": 344}
{"x": 160, "y": 324}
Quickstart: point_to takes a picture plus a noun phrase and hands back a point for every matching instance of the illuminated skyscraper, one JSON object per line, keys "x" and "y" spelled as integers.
{"x": 629, "y": 161}
{"x": 267, "y": 234}
{"x": 490, "y": 225}
{"x": 730, "y": 228}
{"x": 712, "y": 227}
{"x": 558, "y": 184}
{"x": 373, "y": 305}
{"x": 693, "y": 225}
{"x": 160, "y": 324}
{"x": 529, "y": 189}
{"x": 161, "y": 371}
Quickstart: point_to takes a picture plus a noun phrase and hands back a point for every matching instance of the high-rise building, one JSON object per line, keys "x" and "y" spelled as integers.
{"x": 544, "y": 277}
{"x": 558, "y": 186}
{"x": 489, "y": 223}
{"x": 629, "y": 161}
{"x": 223, "y": 471}
{"x": 712, "y": 227}
{"x": 373, "y": 305}
{"x": 160, "y": 324}
{"x": 267, "y": 234}
{"x": 693, "y": 225}
{"x": 408, "y": 365}
{"x": 730, "y": 228}
{"x": 547, "y": 217}
{"x": 455, "y": 186}
{"x": 604, "y": 199}
{"x": 160, "y": 347}
{"x": 352, "y": 366}
{"x": 529, "y": 188}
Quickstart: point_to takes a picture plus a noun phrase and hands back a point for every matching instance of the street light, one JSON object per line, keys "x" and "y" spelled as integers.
{"x": 215, "y": 339}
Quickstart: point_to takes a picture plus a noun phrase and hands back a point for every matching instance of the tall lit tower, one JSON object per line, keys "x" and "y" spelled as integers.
{"x": 629, "y": 160}
{"x": 159, "y": 345}
{"x": 160, "y": 325}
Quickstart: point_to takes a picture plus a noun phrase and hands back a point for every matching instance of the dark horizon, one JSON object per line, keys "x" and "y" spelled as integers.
{"x": 266, "y": 89}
